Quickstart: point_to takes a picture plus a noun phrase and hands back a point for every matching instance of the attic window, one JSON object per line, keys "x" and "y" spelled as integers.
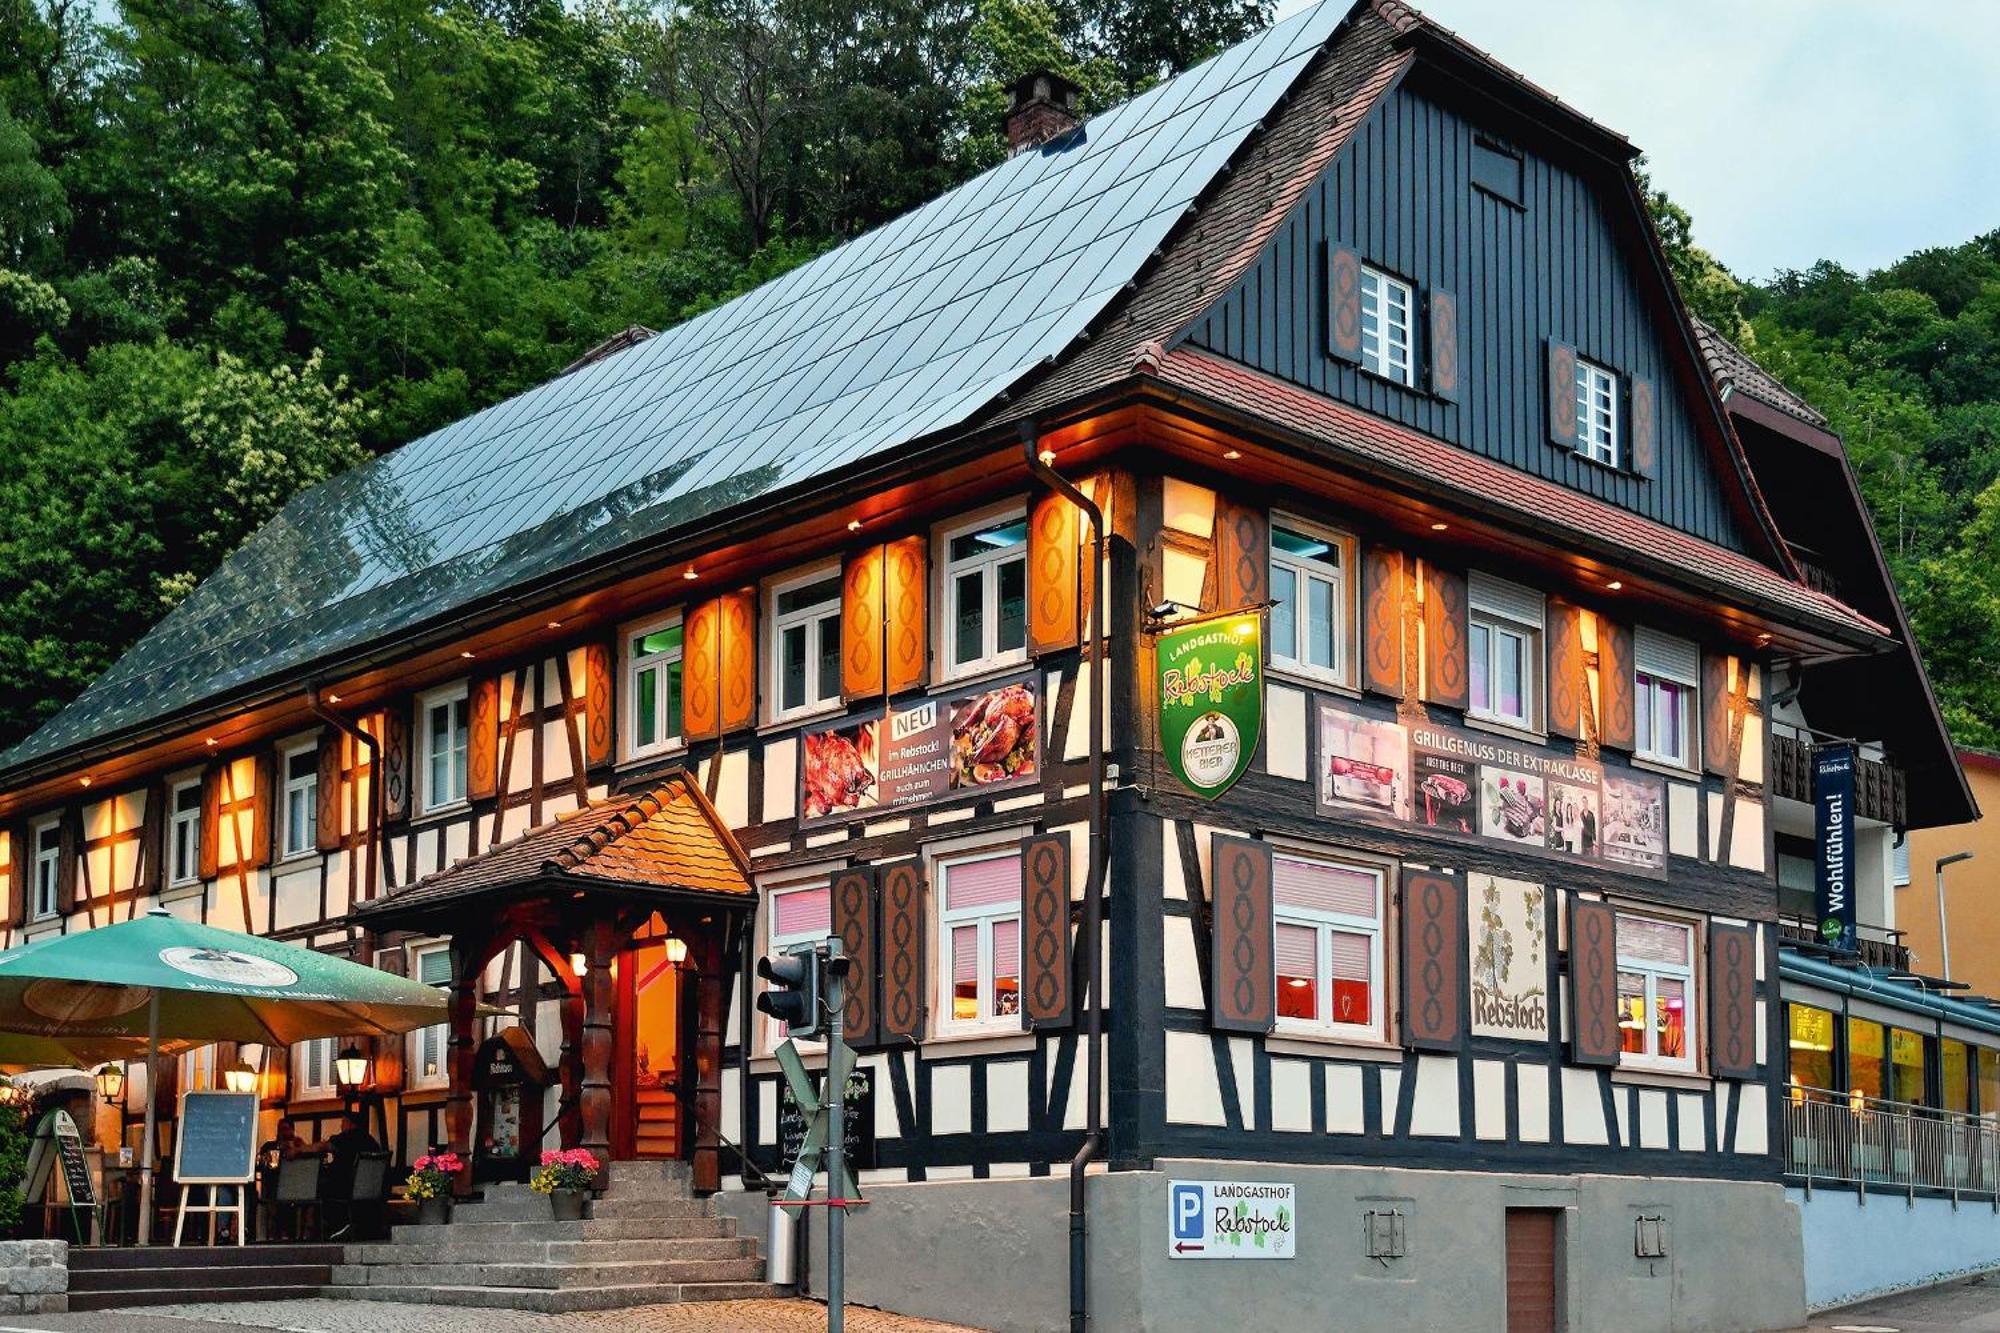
{"x": 1497, "y": 171}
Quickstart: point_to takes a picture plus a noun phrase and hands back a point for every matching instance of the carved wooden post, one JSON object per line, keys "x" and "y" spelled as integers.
{"x": 569, "y": 1113}
{"x": 710, "y": 1013}
{"x": 468, "y": 960}
{"x": 600, "y": 946}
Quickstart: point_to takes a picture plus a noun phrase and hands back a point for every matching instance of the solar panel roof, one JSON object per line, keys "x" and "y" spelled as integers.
{"x": 902, "y": 333}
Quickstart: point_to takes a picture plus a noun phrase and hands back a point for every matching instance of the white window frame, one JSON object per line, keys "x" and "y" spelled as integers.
{"x": 777, "y": 941}
{"x": 440, "y": 1033}
{"x": 814, "y": 621}
{"x": 1327, "y": 924}
{"x": 985, "y": 918}
{"x": 308, "y": 786}
{"x": 47, "y": 863}
{"x": 632, "y": 665}
{"x": 1597, "y": 409}
{"x": 183, "y": 823}
{"x": 447, "y": 695}
{"x": 1687, "y": 975}
{"x": 304, "y": 1088}
{"x": 1285, "y": 657}
{"x": 1504, "y": 610}
{"x": 197, "y": 1071}
{"x": 987, "y": 563}
{"x": 1661, "y": 664}
{"x": 1388, "y": 327}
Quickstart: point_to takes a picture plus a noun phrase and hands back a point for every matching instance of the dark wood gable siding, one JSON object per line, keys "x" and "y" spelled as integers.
{"x": 1400, "y": 194}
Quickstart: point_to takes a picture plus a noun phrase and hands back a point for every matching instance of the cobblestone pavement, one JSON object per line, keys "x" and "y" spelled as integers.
{"x": 316, "y": 1316}
{"x": 1971, "y": 1304}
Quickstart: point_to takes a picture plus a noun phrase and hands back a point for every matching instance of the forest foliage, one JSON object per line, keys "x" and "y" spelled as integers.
{"x": 247, "y": 243}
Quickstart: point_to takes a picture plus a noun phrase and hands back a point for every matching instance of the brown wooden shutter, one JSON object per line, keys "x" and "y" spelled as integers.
{"x": 1433, "y": 959}
{"x": 1052, "y": 575}
{"x": 146, "y": 874}
{"x": 482, "y": 742}
{"x": 1446, "y": 678}
{"x": 853, "y": 918}
{"x": 1732, "y": 1001}
{"x": 1382, "y": 575}
{"x": 1343, "y": 303}
{"x": 1562, "y": 394}
{"x": 20, "y": 866}
{"x": 701, "y": 656}
{"x": 906, "y": 573}
{"x": 263, "y": 806}
{"x": 1644, "y": 422}
{"x": 71, "y": 839}
{"x": 1715, "y": 713}
{"x": 599, "y": 727}
{"x": 1242, "y": 993}
{"x": 1444, "y": 364}
{"x": 861, "y": 624}
{"x": 1569, "y": 692}
{"x": 903, "y": 947}
{"x": 211, "y": 821}
{"x": 739, "y": 659}
{"x": 1045, "y": 942}
{"x": 1616, "y": 683}
{"x": 1593, "y": 982}
{"x": 327, "y": 816}
{"x": 1242, "y": 554}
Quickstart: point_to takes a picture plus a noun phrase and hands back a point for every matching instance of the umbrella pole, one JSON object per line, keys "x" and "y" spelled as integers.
{"x": 152, "y": 1110}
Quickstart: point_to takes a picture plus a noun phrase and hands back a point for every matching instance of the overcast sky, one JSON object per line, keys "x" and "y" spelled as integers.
{"x": 1793, "y": 130}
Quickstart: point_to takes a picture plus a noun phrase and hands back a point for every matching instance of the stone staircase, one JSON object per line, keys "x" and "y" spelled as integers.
{"x": 647, "y": 1241}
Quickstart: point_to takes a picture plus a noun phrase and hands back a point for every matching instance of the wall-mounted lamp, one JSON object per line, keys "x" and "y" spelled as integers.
{"x": 111, "y": 1083}
{"x": 677, "y": 950}
{"x": 350, "y": 1067}
{"x": 240, "y": 1077}
{"x": 579, "y": 964}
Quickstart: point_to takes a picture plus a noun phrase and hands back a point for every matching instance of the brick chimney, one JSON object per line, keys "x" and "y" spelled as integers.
{"x": 1040, "y": 106}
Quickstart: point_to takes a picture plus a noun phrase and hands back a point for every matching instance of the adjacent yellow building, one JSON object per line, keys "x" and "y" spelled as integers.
{"x": 1972, "y": 911}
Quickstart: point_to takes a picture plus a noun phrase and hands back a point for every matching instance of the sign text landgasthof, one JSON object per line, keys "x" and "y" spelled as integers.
{"x": 1232, "y": 1219}
{"x": 1211, "y": 698}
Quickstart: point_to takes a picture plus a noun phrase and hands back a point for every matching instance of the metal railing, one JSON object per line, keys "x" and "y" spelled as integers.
{"x": 1844, "y": 1139}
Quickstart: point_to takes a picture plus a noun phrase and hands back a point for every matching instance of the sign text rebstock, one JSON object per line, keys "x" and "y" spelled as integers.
{"x": 1232, "y": 1219}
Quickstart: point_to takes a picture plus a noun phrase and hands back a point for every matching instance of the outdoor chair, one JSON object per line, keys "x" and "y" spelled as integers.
{"x": 298, "y": 1192}
{"x": 366, "y": 1204}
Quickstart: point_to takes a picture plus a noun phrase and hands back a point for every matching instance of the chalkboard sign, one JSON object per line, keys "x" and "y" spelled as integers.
{"x": 217, "y": 1140}
{"x": 859, "y": 1128}
{"x": 76, "y": 1171}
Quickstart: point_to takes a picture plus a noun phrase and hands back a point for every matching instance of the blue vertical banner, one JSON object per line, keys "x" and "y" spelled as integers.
{"x": 1833, "y": 825}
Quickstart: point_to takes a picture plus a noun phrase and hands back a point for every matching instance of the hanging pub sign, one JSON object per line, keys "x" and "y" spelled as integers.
{"x": 927, "y": 750}
{"x": 1471, "y": 784}
{"x": 1833, "y": 828}
{"x": 1211, "y": 698}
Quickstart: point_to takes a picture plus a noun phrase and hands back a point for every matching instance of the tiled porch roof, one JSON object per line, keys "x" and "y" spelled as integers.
{"x": 667, "y": 838}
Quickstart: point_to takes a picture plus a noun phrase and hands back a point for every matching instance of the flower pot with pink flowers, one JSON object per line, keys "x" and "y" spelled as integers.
{"x": 430, "y": 1186}
{"x": 565, "y": 1177}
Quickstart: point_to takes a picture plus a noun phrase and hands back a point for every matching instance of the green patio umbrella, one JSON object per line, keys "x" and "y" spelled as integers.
{"x": 158, "y": 977}
{"x": 21, "y": 1051}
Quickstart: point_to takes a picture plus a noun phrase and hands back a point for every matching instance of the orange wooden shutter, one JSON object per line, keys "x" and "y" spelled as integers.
{"x": 1242, "y": 555}
{"x": 1593, "y": 983}
{"x": 861, "y": 624}
{"x": 1569, "y": 692}
{"x": 903, "y": 943}
{"x": 71, "y": 840}
{"x": 906, "y": 591}
{"x": 739, "y": 659}
{"x": 20, "y": 859}
{"x": 1052, "y": 575}
{"x": 1616, "y": 682}
{"x": 598, "y": 725}
{"x": 146, "y": 876}
{"x": 1045, "y": 937}
{"x": 1446, "y": 678}
{"x": 1715, "y": 714}
{"x": 263, "y": 806}
{"x": 398, "y": 765}
{"x": 1382, "y": 575}
{"x": 701, "y": 706}
{"x": 211, "y": 820}
{"x": 482, "y": 744}
{"x": 853, "y": 918}
{"x": 1242, "y": 968}
{"x": 327, "y": 816}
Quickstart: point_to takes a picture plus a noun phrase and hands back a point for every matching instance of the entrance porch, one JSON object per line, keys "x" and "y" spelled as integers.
{"x": 636, "y": 906}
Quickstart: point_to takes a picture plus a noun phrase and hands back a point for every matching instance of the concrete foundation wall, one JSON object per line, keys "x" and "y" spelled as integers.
{"x": 1854, "y": 1251}
{"x": 994, "y": 1254}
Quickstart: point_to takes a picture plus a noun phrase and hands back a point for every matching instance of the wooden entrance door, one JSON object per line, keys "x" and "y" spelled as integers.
{"x": 651, "y": 1051}
{"x": 1531, "y": 1270}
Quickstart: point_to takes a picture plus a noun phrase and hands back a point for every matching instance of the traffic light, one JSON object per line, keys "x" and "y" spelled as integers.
{"x": 793, "y": 996}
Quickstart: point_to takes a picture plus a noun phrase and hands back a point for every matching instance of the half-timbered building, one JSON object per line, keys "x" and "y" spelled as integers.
{"x": 832, "y": 612}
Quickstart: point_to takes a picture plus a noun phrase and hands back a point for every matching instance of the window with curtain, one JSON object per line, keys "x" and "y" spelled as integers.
{"x": 979, "y": 942}
{"x": 447, "y": 735}
{"x": 1867, "y": 1063}
{"x": 312, "y": 1069}
{"x": 1328, "y": 946}
{"x": 1312, "y": 601}
{"x": 985, "y": 585}
{"x": 1906, "y": 1068}
{"x": 804, "y": 616}
{"x": 431, "y": 965}
{"x": 1504, "y": 650}
{"x": 1656, "y": 992}
{"x": 1811, "y": 1038}
{"x": 800, "y": 914}
{"x": 1955, "y": 1075}
{"x": 301, "y": 800}
{"x": 1988, "y": 1063}
{"x": 184, "y": 834}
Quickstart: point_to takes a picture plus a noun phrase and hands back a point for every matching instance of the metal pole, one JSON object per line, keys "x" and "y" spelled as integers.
{"x": 836, "y": 1138}
{"x": 152, "y": 1111}
{"x": 1944, "y": 929}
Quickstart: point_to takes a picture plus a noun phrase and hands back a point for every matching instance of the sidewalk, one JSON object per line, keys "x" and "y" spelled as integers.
{"x": 322, "y": 1316}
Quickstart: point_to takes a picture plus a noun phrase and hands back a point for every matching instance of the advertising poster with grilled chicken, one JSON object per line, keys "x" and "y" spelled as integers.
{"x": 1464, "y": 783}
{"x": 921, "y": 752}
{"x": 1211, "y": 698}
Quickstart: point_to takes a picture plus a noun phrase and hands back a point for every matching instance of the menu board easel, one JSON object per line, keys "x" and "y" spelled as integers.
{"x": 216, "y": 1145}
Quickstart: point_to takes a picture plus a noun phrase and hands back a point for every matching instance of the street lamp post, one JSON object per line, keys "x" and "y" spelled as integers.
{"x": 1944, "y": 929}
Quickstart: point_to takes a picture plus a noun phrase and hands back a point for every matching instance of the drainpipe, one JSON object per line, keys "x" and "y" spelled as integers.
{"x": 1093, "y": 892}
